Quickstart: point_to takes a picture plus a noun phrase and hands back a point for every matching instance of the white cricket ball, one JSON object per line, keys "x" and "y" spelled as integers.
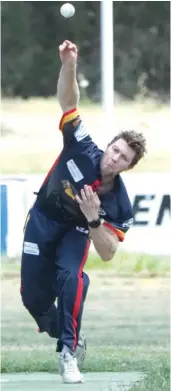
{"x": 67, "y": 10}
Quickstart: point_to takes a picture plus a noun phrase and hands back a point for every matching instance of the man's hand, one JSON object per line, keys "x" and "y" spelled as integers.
{"x": 89, "y": 203}
{"x": 68, "y": 52}
{"x": 105, "y": 241}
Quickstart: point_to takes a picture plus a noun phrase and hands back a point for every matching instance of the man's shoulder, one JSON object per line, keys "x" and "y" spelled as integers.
{"x": 116, "y": 207}
{"x": 122, "y": 186}
{"x": 123, "y": 196}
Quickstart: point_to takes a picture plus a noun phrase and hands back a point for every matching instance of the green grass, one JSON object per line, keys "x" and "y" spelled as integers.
{"x": 157, "y": 380}
{"x": 126, "y": 321}
{"x": 123, "y": 264}
{"x": 19, "y": 140}
{"x": 131, "y": 264}
{"x": 29, "y": 162}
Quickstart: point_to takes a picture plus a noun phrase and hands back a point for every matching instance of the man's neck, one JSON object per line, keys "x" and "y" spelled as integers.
{"x": 106, "y": 185}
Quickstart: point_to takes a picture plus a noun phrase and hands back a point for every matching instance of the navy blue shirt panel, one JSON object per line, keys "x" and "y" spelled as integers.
{"x": 79, "y": 164}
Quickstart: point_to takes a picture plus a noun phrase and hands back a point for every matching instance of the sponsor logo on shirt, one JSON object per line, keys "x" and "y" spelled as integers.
{"x": 76, "y": 122}
{"x": 81, "y": 132}
{"x": 31, "y": 248}
{"x": 83, "y": 230}
{"x": 74, "y": 171}
{"x": 102, "y": 212}
{"x": 127, "y": 223}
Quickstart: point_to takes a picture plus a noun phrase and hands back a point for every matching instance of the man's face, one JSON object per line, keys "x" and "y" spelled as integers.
{"x": 116, "y": 158}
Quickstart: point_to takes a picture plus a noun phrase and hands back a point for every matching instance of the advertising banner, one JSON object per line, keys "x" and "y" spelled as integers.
{"x": 149, "y": 195}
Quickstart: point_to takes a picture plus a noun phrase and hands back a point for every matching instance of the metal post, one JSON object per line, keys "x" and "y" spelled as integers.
{"x": 107, "y": 61}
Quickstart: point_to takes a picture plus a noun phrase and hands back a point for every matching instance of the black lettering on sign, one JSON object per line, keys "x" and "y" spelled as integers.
{"x": 164, "y": 207}
{"x": 137, "y": 208}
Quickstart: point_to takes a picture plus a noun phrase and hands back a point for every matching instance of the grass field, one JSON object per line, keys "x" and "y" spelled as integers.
{"x": 126, "y": 321}
{"x": 126, "y": 318}
{"x": 32, "y": 140}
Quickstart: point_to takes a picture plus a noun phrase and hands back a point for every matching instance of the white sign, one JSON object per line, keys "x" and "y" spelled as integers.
{"x": 149, "y": 195}
{"x": 150, "y": 198}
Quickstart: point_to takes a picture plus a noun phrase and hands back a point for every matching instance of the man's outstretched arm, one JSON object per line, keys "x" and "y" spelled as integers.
{"x": 67, "y": 86}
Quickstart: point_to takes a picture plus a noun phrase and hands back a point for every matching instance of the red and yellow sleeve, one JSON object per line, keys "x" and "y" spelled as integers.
{"x": 69, "y": 116}
{"x": 120, "y": 234}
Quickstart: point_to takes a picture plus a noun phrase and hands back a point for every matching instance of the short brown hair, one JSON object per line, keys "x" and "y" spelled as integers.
{"x": 135, "y": 140}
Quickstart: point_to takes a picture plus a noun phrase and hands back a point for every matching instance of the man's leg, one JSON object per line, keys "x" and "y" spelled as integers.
{"x": 38, "y": 272}
{"x": 86, "y": 282}
{"x": 37, "y": 297}
{"x": 72, "y": 286}
{"x": 71, "y": 291}
{"x": 81, "y": 348}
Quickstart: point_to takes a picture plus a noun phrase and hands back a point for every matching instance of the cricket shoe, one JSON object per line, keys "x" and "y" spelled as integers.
{"x": 69, "y": 370}
{"x": 81, "y": 348}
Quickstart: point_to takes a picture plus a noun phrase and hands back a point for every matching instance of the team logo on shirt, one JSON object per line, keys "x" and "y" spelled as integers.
{"x": 69, "y": 192}
{"x": 68, "y": 189}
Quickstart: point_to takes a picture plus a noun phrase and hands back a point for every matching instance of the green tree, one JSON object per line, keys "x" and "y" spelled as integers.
{"x": 32, "y": 31}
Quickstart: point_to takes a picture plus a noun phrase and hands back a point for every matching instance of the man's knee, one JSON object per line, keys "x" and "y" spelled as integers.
{"x": 29, "y": 299}
{"x": 69, "y": 279}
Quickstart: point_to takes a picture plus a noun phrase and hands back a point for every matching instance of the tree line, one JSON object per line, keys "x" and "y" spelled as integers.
{"x": 32, "y": 30}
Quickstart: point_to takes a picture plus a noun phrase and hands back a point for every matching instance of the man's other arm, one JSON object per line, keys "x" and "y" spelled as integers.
{"x": 67, "y": 86}
{"x": 105, "y": 242}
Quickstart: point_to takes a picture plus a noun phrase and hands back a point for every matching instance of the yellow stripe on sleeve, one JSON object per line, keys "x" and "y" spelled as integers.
{"x": 118, "y": 232}
{"x": 67, "y": 117}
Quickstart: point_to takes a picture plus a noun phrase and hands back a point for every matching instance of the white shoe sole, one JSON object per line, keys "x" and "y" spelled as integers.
{"x": 70, "y": 381}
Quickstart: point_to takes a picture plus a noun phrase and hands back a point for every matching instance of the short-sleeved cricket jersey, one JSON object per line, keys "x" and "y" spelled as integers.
{"x": 77, "y": 165}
